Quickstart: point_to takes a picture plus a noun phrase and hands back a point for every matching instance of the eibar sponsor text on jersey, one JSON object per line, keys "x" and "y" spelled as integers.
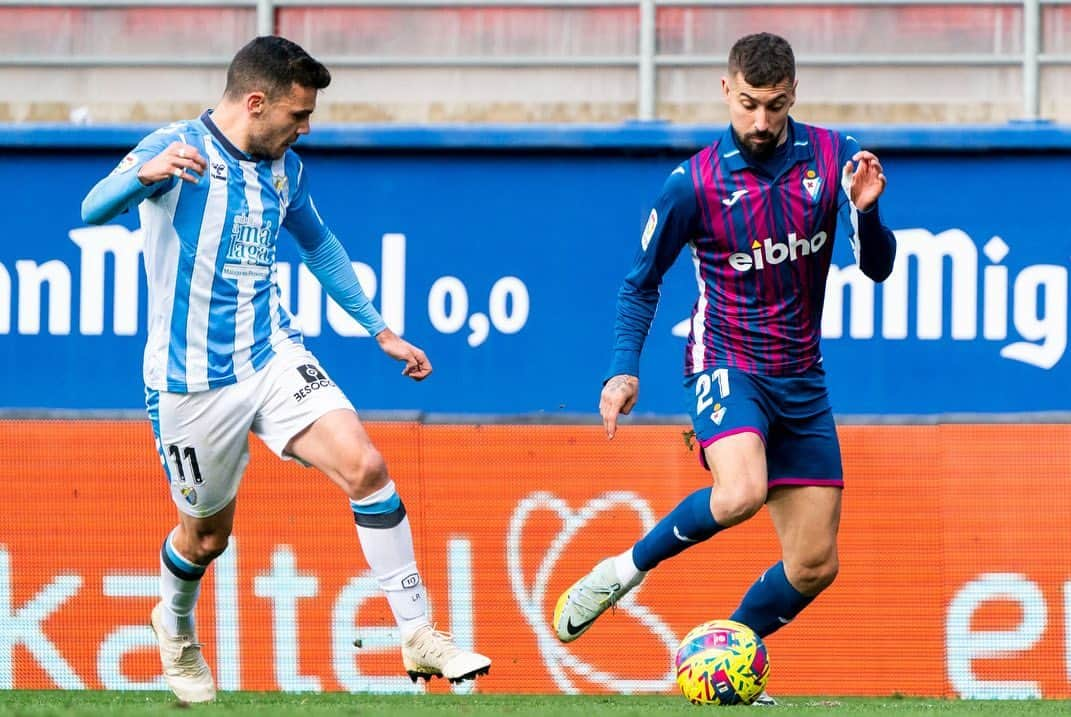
{"x": 771, "y": 253}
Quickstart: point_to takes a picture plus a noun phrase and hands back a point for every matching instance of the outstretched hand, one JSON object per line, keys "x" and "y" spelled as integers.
{"x": 619, "y": 395}
{"x": 866, "y": 179}
{"x": 177, "y": 160}
{"x": 417, "y": 366}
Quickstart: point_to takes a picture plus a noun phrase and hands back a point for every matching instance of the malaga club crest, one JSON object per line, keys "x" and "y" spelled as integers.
{"x": 281, "y": 184}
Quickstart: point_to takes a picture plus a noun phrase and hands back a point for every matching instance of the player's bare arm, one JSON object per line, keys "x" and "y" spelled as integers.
{"x": 417, "y": 365}
{"x": 619, "y": 395}
{"x": 867, "y": 179}
{"x": 177, "y": 160}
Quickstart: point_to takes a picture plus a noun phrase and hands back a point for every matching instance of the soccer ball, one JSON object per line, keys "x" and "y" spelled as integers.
{"x": 722, "y": 662}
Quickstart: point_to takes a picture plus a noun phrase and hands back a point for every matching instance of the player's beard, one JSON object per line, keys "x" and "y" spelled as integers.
{"x": 267, "y": 147}
{"x": 263, "y": 152}
{"x": 760, "y": 150}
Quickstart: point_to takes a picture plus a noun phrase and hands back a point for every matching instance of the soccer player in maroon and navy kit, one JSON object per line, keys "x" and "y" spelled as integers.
{"x": 759, "y": 210}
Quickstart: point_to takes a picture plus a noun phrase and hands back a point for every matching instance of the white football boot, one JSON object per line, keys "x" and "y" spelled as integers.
{"x": 185, "y": 669}
{"x": 764, "y": 700}
{"x": 589, "y": 597}
{"x": 430, "y": 653}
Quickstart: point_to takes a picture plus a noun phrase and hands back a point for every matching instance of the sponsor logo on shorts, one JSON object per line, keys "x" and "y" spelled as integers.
{"x": 315, "y": 379}
{"x": 311, "y": 373}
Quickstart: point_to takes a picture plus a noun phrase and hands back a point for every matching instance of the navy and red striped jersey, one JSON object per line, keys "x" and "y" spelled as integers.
{"x": 761, "y": 236}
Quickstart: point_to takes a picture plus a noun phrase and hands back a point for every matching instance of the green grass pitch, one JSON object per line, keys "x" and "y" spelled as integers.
{"x": 266, "y": 704}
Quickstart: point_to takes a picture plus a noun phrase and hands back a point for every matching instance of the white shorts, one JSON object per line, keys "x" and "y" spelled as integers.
{"x": 203, "y": 437}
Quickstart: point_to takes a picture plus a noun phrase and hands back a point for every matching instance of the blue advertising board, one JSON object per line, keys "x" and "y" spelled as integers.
{"x": 500, "y": 252}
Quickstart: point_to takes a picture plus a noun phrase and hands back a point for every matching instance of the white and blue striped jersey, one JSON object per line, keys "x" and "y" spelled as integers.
{"x": 215, "y": 315}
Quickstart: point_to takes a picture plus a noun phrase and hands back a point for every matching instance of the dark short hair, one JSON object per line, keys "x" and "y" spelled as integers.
{"x": 272, "y": 64}
{"x": 765, "y": 59}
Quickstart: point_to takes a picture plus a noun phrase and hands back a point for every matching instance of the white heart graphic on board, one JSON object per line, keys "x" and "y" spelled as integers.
{"x": 557, "y": 657}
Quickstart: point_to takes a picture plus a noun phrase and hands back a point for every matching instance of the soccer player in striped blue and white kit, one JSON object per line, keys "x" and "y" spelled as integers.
{"x": 759, "y": 210}
{"x": 224, "y": 358}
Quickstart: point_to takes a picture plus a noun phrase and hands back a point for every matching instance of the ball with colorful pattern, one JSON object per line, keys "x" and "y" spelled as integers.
{"x": 722, "y": 662}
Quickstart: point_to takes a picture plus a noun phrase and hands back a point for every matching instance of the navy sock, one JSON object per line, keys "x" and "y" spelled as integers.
{"x": 689, "y": 523}
{"x": 771, "y": 602}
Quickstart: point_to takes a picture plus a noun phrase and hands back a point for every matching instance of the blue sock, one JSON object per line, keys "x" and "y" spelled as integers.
{"x": 771, "y": 602}
{"x": 689, "y": 523}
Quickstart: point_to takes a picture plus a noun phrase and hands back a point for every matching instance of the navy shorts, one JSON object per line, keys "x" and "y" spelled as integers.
{"x": 791, "y": 414}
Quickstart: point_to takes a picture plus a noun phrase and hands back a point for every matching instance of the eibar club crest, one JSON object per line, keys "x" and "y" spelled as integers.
{"x": 813, "y": 184}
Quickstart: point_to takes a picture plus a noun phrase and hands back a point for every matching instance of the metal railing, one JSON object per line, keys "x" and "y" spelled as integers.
{"x": 647, "y": 60}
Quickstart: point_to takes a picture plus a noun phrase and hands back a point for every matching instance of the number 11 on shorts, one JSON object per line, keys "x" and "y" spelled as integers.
{"x": 177, "y": 454}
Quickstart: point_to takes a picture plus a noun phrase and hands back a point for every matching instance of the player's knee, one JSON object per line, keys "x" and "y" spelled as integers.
{"x": 736, "y": 501}
{"x": 365, "y": 474}
{"x": 813, "y": 576}
{"x": 207, "y": 547}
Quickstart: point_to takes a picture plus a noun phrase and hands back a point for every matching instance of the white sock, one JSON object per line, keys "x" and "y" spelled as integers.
{"x": 180, "y": 586}
{"x": 626, "y": 569}
{"x": 387, "y": 542}
{"x": 407, "y": 598}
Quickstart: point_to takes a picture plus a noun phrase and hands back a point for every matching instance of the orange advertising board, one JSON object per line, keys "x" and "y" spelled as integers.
{"x": 955, "y": 578}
